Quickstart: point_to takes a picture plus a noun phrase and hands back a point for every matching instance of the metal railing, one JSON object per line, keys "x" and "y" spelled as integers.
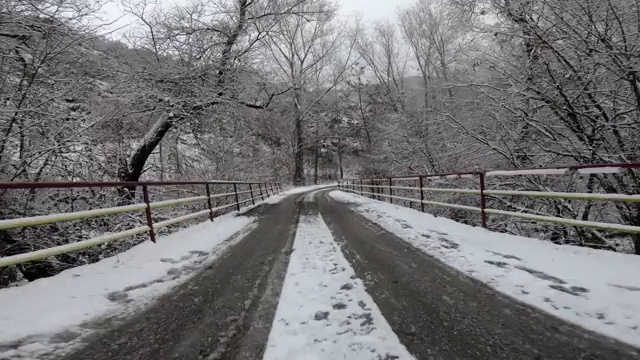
{"x": 240, "y": 193}
{"x": 384, "y": 188}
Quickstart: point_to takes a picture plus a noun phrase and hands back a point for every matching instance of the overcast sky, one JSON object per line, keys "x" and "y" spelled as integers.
{"x": 373, "y": 9}
{"x": 370, "y": 9}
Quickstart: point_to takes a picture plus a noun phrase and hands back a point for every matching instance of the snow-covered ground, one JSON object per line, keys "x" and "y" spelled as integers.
{"x": 51, "y": 315}
{"x": 324, "y": 311}
{"x": 598, "y": 290}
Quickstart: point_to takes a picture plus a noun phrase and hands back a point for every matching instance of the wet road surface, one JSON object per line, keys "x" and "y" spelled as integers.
{"x": 439, "y": 313}
{"x": 223, "y": 312}
{"x": 226, "y": 310}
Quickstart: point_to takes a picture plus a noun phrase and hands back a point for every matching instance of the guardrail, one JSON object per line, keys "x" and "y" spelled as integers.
{"x": 384, "y": 188}
{"x": 240, "y": 193}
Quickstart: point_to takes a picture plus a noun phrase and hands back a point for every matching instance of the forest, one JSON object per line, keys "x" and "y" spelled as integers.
{"x": 293, "y": 92}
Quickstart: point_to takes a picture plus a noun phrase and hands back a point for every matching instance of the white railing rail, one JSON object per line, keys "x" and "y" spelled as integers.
{"x": 256, "y": 191}
{"x": 385, "y": 187}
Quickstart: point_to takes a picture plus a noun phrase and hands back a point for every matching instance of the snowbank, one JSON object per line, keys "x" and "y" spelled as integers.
{"x": 34, "y": 316}
{"x": 598, "y": 290}
{"x": 324, "y": 311}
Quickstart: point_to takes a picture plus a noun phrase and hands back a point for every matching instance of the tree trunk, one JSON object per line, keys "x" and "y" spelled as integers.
{"x": 131, "y": 169}
{"x": 160, "y": 154}
{"x": 226, "y": 54}
{"x": 315, "y": 164}
{"x": 636, "y": 237}
{"x": 298, "y": 173}
{"x": 340, "y": 160}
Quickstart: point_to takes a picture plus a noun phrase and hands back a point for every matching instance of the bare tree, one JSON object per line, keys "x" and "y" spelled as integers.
{"x": 311, "y": 55}
{"x": 40, "y": 42}
{"x": 562, "y": 87}
{"x": 386, "y": 58}
{"x": 198, "y": 55}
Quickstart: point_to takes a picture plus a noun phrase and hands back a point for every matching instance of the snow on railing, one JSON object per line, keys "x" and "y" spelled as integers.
{"x": 384, "y": 187}
{"x": 263, "y": 191}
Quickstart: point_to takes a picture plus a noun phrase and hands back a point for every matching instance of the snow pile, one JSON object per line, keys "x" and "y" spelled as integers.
{"x": 596, "y": 289}
{"x": 49, "y": 315}
{"x": 324, "y": 311}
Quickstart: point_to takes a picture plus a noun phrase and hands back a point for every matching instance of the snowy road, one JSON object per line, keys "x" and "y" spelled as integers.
{"x": 224, "y": 312}
{"x": 324, "y": 310}
{"x": 315, "y": 279}
{"x": 440, "y": 313}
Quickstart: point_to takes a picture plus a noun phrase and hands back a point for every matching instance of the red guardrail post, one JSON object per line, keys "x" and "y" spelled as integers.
{"x": 483, "y": 201}
{"x": 370, "y": 190}
{"x": 145, "y": 196}
{"x": 361, "y": 188}
{"x": 421, "y": 193}
{"x": 273, "y": 191}
{"x": 390, "y": 192}
{"x": 209, "y": 203}
{"x": 374, "y": 190}
{"x": 235, "y": 190}
{"x": 251, "y": 193}
{"x": 260, "y": 187}
{"x": 410, "y": 202}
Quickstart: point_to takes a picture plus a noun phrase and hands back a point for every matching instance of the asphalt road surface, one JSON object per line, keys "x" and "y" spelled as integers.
{"x": 225, "y": 311}
{"x": 439, "y": 313}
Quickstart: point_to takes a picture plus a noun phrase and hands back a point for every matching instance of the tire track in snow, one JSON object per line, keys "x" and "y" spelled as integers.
{"x": 324, "y": 311}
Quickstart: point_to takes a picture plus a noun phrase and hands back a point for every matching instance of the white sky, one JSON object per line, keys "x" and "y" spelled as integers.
{"x": 371, "y": 10}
